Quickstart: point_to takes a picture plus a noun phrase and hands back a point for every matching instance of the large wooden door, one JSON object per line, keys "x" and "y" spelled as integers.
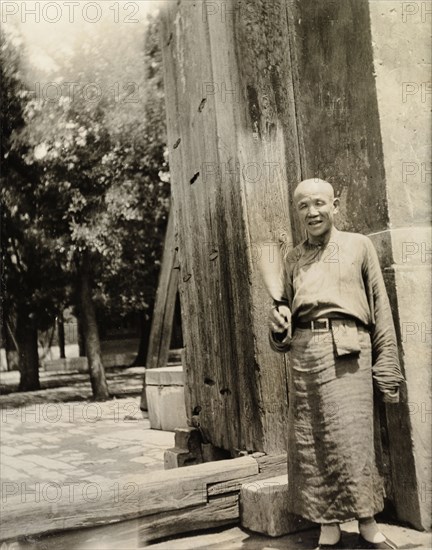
{"x": 227, "y": 109}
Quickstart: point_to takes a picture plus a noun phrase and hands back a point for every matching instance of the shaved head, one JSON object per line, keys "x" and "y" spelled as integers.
{"x": 312, "y": 186}
{"x": 316, "y": 205}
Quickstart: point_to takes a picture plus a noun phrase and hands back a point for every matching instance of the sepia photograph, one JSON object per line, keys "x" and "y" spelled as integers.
{"x": 215, "y": 274}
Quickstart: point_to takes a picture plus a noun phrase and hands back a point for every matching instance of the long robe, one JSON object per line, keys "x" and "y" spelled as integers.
{"x": 332, "y": 466}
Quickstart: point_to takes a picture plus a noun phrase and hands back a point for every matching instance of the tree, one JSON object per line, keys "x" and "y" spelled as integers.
{"x": 102, "y": 160}
{"x": 32, "y": 279}
{"x": 142, "y": 138}
{"x": 85, "y": 187}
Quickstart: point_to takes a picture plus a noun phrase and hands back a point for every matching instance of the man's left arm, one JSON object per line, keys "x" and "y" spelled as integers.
{"x": 386, "y": 370}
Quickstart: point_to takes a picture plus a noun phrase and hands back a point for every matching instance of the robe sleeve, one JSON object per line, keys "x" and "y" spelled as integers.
{"x": 281, "y": 342}
{"x": 386, "y": 370}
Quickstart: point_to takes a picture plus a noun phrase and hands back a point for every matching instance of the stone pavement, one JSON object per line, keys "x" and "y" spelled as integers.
{"x": 51, "y": 450}
{"x": 52, "y": 443}
{"x": 62, "y": 443}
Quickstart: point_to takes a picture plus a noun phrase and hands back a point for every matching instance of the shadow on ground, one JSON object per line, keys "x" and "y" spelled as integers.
{"x": 58, "y": 387}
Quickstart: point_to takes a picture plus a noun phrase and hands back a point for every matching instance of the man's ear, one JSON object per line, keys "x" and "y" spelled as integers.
{"x": 336, "y": 203}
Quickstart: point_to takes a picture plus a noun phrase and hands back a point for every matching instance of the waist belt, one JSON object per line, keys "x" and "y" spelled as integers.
{"x": 318, "y": 325}
{"x": 322, "y": 325}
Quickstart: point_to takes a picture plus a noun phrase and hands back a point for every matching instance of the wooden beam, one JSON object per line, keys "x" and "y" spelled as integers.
{"x": 165, "y": 503}
{"x": 57, "y": 507}
{"x": 217, "y": 513}
{"x": 163, "y": 314}
{"x": 268, "y": 465}
{"x": 160, "y": 335}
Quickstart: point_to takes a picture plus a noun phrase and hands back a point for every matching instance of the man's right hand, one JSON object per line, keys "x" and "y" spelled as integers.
{"x": 279, "y": 319}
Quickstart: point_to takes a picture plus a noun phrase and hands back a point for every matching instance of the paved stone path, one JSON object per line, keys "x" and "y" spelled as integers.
{"x": 48, "y": 450}
{"x": 66, "y": 442}
{"x": 52, "y": 442}
{"x": 57, "y": 439}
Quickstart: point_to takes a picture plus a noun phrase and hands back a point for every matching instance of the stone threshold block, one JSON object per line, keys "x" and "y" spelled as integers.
{"x": 190, "y": 449}
{"x": 165, "y": 398}
{"x": 263, "y": 508}
{"x": 187, "y": 450}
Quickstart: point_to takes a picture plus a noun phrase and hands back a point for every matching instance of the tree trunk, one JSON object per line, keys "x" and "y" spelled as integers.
{"x": 61, "y": 335}
{"x": 91, "y": 335}
{"x": 145, "y": 326}
{"x": 80, "y": 335}
{"x": 28, "y": 359}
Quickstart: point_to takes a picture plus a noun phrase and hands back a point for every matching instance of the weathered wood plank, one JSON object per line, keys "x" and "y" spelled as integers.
{"x": 161, "y": 329}
{"x": 72, "y": 506}
{"x": 251, "y": 113}
{"x": 261, "y": 46}
{"x": 229, "y": 118}
{"x": 217, "y": 513}
{"x": 163, "y": 314}
{"x": 205, "y": 285}
{"x": 269, "y": 466}
{"x": 337, "y": 112}
{"x": 267, "y": 463}
{"x": 183, "y": 100}
{"x": 172, "y": 62}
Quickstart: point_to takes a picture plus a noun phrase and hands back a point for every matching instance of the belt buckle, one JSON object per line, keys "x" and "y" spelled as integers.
{"x": 325, "y": 322}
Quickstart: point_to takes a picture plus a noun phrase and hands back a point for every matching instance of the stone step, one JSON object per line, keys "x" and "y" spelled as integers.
{"x": 263, "y": 508}
{"x": 165, "y": 376}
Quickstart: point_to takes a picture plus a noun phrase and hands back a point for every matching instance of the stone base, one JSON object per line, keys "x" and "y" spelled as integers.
{"x": 189, "y": 449}
{"x": 166, "y": 407}
{"x": 263, "y": 508}
{"x": 177, "y": 458}
{"x": 165, "y": 398}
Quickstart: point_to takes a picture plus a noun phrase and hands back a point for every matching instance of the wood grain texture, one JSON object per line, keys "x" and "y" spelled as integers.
{"x": 336, "y": 105}
{"x": 90, "y": 504}
{"x": 163, "y": 313}
{"x": 217, "y": 513}
{"x": 230, "y": 192}
{"x": 269, "y": 466}
{"x": 161, "y": 329}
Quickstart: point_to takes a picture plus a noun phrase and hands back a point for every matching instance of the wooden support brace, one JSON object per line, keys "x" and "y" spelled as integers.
{"x": 163, "y": 315}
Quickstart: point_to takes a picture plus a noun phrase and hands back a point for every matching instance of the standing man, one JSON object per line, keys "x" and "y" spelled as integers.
{"x": 337, "y": 325}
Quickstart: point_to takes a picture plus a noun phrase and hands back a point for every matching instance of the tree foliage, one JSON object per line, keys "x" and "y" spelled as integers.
{"x": 86, "y": 175}
{"x": 34, "y": 279}
{"x": 101, "y": 146}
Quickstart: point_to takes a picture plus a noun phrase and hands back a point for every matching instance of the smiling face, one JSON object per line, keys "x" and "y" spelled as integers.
{"x": 316, "y": 206}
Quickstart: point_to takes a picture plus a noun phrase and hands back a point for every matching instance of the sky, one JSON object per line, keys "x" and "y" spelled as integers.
{"x": 54, "y": 25}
